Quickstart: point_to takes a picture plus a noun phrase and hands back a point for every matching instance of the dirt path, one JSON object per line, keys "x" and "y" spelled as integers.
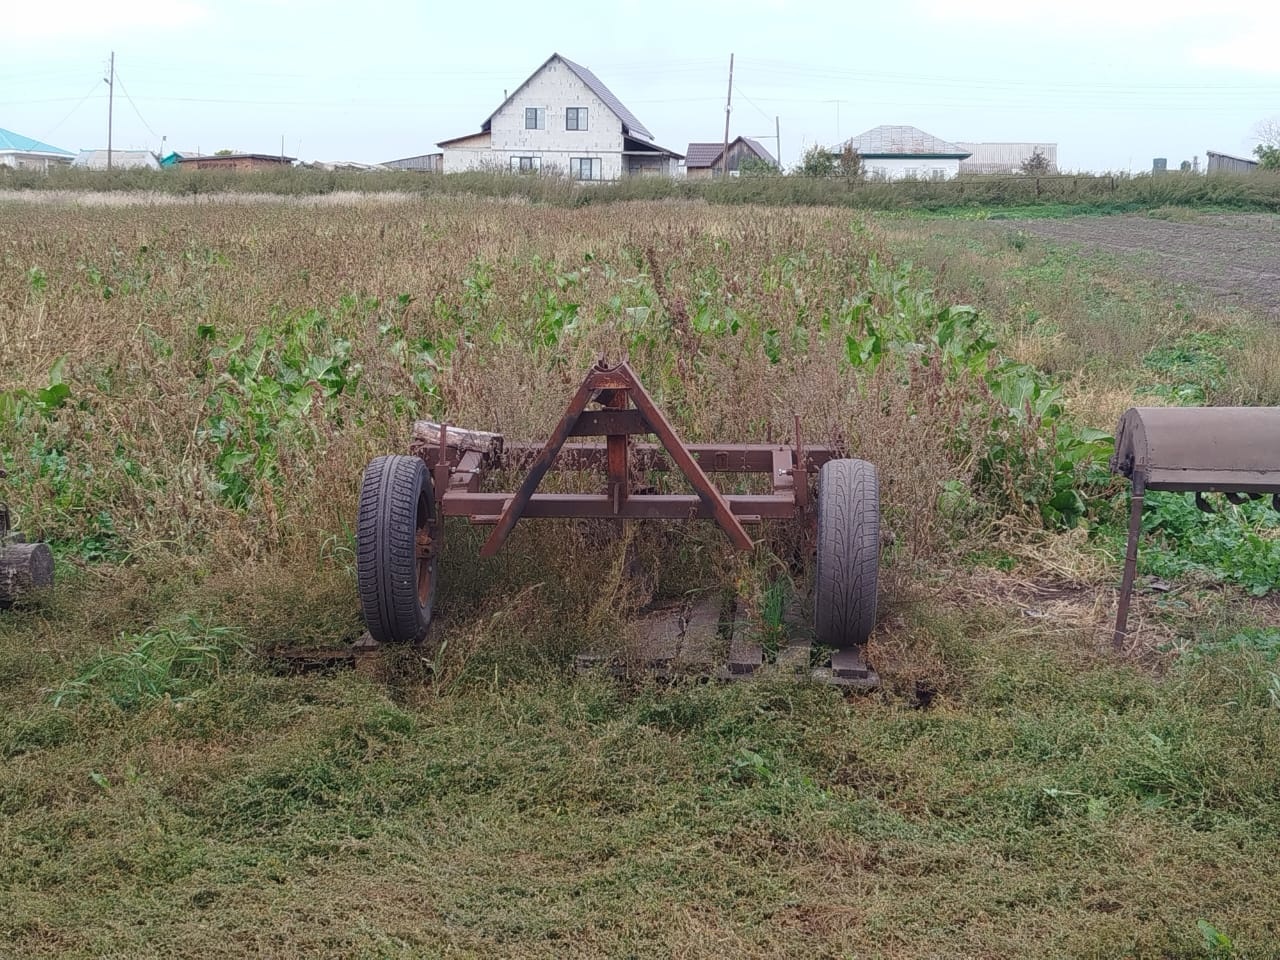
{"x": 1233, "y": 259}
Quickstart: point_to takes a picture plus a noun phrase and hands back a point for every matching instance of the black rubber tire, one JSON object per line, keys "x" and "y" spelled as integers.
{"x": 848, "y": 570}
{"x": 397, "y": 587}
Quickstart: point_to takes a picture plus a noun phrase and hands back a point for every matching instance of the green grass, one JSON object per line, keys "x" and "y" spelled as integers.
{"x": 1025, "y": 211}
{"x": 1048, "y": 802}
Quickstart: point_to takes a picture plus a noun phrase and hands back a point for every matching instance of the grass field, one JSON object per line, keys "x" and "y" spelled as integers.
{"x": 189, "y": 391}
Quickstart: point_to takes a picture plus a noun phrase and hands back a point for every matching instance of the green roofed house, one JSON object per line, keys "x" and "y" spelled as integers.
{"x": 23, "y": 153}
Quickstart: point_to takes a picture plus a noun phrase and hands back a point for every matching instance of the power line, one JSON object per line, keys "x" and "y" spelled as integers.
{"x": 79, "y": 103}
{"x": 744, "y": 96}
{"x": 815, "y": 71}
{"x": 125, "y": 91}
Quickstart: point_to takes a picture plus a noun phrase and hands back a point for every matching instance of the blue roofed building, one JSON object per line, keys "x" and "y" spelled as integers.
{"x": 23, "y": 153}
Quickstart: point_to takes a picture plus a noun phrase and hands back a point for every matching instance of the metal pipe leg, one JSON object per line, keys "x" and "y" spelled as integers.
{"x": 1130, "y": 569}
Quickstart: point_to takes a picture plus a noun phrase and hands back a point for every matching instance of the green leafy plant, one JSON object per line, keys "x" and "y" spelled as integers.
{"x": 1028, "y": 455}
{"x": 1216, "y": 943}
{"x": 265, "y": 396}
{"x": 1236, "y": 544}
{"x": 1188, "y": 370}
{"x": 749, "y": 767}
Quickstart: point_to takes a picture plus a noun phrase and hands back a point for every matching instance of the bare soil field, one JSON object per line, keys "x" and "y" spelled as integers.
{"x": 1233, "y": 258}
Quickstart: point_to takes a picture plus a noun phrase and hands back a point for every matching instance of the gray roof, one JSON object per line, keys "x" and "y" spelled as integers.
{"x": 1229, "y": 156}
{"x": 630, "y": 125}
{"x": 706, "y": 154}
{"x": 902, "y": 141}
{"x": 761, "y": 152}
{"x": 702, "y": 154}
{"x": 629, "y": 122}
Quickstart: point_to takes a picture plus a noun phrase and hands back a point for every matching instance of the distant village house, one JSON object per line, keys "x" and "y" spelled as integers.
{"x": 905, "y": 153}
{"x": 23, "y": 153}
{"x": 235, "y": 161}
{"x": 561, "y": 120}
{"x": 120, "y": 160}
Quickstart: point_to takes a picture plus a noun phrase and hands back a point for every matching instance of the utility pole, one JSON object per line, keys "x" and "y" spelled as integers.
{"x": 777, "y": 140}
{"x": 110, "y": 81}
{"x": 728, "y": 103}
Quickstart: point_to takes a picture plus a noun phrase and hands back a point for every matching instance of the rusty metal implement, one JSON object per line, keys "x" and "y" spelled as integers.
{"x": 405, "y": 500}
{"x": 1229, "y": 450}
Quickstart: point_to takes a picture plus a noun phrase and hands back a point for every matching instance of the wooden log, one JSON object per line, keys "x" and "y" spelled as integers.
{"x": 24, "y": 567}
{"x": 426, "y": 438}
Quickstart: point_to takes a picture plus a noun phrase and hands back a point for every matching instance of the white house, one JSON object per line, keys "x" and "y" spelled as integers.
{"x": 899, "y": 153}
{"x": 561, "y": 120}
{"x": 120, "y": 160}
{"x": 23, "y": 153}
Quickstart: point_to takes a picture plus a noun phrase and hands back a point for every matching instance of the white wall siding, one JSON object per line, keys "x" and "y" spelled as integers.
{"x": 901, "y": 168}
{"x": 555, "y": 89}
{"x": 467, "y": 153}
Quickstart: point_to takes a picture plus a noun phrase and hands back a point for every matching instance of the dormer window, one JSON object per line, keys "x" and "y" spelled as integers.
{"x": 535, "y": 118}
{"x": 575, "y": 118}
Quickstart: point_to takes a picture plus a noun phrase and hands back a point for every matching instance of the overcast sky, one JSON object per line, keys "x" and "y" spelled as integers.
{"x": 1113, "y": 82}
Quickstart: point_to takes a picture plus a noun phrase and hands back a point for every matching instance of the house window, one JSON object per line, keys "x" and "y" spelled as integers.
{"x": 584, "y": 168}
{"x": 535, "y": 118}
{"x": 575, "y": 118}
{"x": 526, "y": 164}
{"x": 912, "y": 173}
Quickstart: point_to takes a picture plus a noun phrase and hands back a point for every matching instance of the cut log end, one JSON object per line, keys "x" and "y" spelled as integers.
{"x": 24, "y": 568}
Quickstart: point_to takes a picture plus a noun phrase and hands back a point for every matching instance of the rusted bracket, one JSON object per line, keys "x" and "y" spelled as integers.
{"x": 703, "y": 487}
{"x": 613, "y": 386}
{"x": 515, "y": 507}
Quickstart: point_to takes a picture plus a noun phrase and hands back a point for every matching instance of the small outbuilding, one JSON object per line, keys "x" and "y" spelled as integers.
{"x": 423, "y": 163}
{"x": 703, "y": 160}
{"x": 1007, "y": 157}
{"x": 1226, "y": 163}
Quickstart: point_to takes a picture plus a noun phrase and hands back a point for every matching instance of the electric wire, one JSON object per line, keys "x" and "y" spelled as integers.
{"x": 125, "y": 91}
{"x": 79, "y": 103}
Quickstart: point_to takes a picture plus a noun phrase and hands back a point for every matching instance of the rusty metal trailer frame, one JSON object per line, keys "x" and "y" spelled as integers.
{"x": 405, "y": 503}
{"x": 460, "y": 459}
